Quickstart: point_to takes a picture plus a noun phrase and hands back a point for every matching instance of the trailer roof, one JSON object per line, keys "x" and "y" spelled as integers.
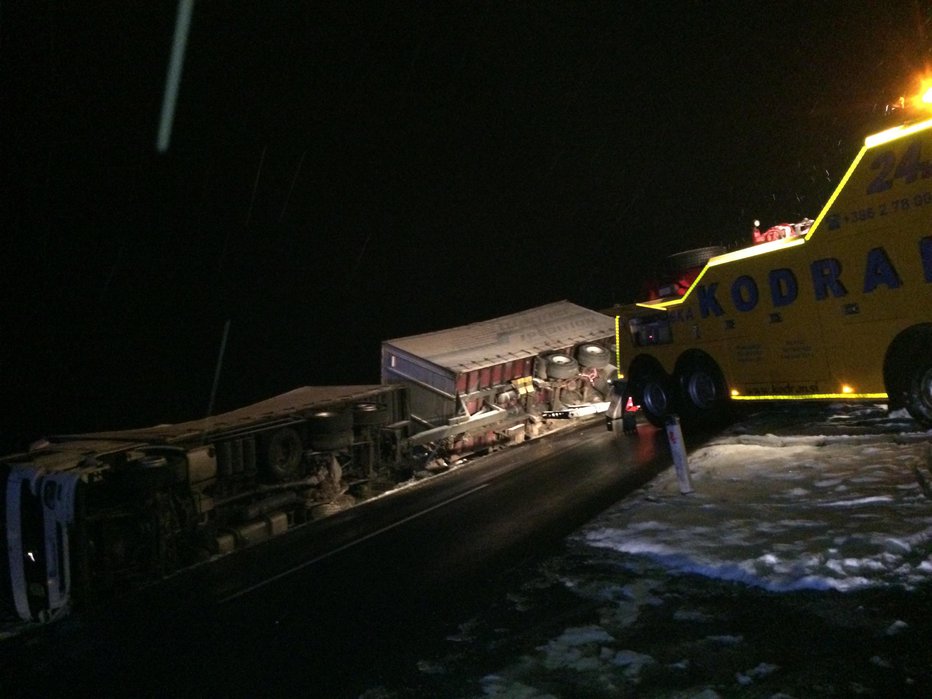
{"x": 527, "y": 333}
{"x": 277, "y": 407}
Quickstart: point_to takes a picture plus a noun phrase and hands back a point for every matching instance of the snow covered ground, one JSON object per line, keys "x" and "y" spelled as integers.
{"x": 831, "y": 511}
{"x": 801, "y": 565}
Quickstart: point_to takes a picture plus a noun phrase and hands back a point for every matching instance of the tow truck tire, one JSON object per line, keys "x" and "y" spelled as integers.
{"x": 656, "y": 400}
{"x": 907, "y": 373}
{"x": 651, "y": 388}
{"x": 919, "y": 391}
{"x": 561, "y": 366}
{"x": 703, "y": 395}
{"x": 591, "y": 355}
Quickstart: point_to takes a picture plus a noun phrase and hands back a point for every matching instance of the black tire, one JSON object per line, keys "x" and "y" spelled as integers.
{"x": 919, "y": 391}
{"x": 562, "y": 366}
{"x": 652, "y": 390}
{"x": 330, "y": 430}
{"x": 703, "y": 395}
{"x": 331, "y": 441}
{"x": 591, "y": 355}
{"x": 283, "y": 454}
{"x": 907, "y": 373}
{"x": 329, "y": 421}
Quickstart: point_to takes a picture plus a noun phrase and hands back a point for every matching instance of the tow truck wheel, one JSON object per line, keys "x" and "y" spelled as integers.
{"x": 907, "y": 373}
{"x": 919, "y": 393}
{"x": 650, "y": 388}
{"x": 703, "y": 393}
{"x": 656, "y": 401}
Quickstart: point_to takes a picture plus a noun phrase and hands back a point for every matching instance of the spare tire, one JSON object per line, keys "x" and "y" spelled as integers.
{"x": 592, "y": 355}
{"x": 561, "y": 366}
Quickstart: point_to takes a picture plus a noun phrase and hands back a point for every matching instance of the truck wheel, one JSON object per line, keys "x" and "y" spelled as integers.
{"x": 591, "y": 355}
{"x": 329, "y": 421}
{"x": 703, "y": 394}
{"x": 907, "y": 373}
{"x": 330, "y": 430}
{"x": 919, "y": 392}
{"x": 650, "y": 388}
{"x": 562, "y": 366}
{"x": 370, "y": 414}
{"x": 656, "y": 401}
{"x": 331, "y": 441}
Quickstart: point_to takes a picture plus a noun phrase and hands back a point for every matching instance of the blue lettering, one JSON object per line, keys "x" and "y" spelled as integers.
{"x": 783, "y": 286}
{"x": 879, "y": 270}
{"x": 744, "y": 293}
{"x": 707, "y": 301}
{"x": 825, "y": 275}
{"x": 925, "y": 249}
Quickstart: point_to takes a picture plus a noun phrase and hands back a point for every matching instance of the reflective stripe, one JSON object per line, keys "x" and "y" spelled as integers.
{"x": 815, "y": 396}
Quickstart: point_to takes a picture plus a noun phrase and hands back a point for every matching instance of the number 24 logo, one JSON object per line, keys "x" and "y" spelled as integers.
{"x": 910, "y": 168}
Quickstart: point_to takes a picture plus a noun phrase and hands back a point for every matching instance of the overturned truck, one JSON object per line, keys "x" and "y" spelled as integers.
{"x": 88, "y": 517}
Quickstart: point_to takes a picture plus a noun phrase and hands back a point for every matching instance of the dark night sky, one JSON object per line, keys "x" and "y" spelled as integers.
{"x": 344, "y": 173}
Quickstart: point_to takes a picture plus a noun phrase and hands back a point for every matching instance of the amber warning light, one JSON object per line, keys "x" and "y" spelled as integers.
{"x": 921, "y": 100}
{"x": 923, "y": 97}
{"x": 926, "y": 97}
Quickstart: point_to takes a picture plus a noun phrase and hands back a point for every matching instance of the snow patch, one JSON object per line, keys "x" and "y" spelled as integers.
{"x": 818, "y": 512}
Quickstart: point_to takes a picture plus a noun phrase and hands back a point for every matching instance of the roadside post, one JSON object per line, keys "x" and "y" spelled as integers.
{"x": 678, "y": 449}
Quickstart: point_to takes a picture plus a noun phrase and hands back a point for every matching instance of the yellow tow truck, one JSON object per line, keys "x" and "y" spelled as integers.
{"x": 840, "y": 310}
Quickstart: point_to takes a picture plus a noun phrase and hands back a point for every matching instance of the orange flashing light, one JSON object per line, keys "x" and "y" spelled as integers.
{"x": 923, "y": 97}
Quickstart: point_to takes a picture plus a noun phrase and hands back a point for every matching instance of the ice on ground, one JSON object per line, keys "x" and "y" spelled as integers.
{"x": 837, "y": 512}
{"x": 769, "y": 511}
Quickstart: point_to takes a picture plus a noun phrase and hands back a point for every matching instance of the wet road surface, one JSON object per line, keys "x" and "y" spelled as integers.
{"x": 369, "y": 589}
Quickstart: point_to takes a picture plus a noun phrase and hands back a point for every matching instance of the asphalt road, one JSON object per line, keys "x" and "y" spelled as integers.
{"x": 364, "y": 589}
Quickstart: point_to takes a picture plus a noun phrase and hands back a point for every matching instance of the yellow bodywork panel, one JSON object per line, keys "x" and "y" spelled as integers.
{"x": 812, "y": 317}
